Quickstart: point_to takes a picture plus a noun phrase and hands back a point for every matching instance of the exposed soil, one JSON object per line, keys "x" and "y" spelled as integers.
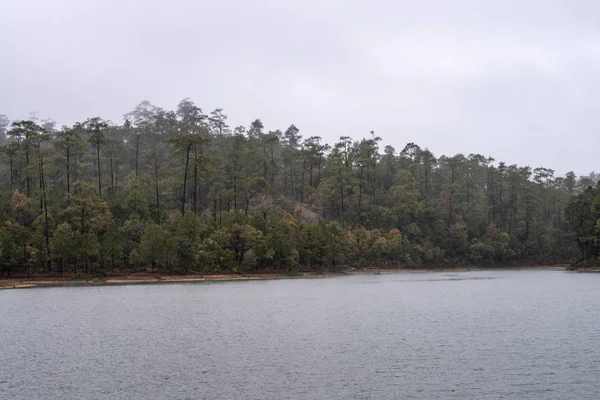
{"x": 457, "y": 269}
{"x": 585, "y": 269}
{"x": 147, "y": 278}
{"x": 151, "y": 278}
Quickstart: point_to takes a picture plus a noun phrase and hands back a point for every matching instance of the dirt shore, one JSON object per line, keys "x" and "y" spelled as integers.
{"x": 145, "y": 279}
{"x": 457, "y": 269}
{"x": 585, "y": 269}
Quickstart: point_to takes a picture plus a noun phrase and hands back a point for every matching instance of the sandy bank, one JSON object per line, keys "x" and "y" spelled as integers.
{"x": 147, "y": 279}
{"x": 585, "y": 269}
{"x": 457, "y": 269}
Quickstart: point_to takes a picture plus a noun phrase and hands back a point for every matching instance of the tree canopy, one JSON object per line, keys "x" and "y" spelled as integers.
{"x": 181, "y": 192}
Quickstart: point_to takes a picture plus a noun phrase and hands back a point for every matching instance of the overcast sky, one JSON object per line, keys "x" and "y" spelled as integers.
{"x": 518, "y": 80}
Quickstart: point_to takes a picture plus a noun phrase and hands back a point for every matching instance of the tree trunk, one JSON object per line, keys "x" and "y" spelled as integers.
{"x": 220, "y": 207}
{"x": 112, "y": 175}
{"x": 341, "y": 194}
{"x": 157, "y": 191}
{"x": 137, "y": 153}
{"x": 318, "y": 180}
{"x": 235, "y": 184}
{"x": 83, "y": 219}
{"x": 10, "y": 161}
{"x": 28, "y": 179}
{"x": 284, "y": 179}
{"x": 292, "y": 179}
{"x": 41, "y": 197}
{"x": 265, "y": 162}
{"x": 75, "y": 169}
{"x": 360, "y": 195}
{"x": 187, "y": 161}
{"x": 500, "y": 203}
{"x": 46, "y": 225}
{"x": 360, "y": 203}
{"x": 451, "y": 198}
{"x": 214, "y": 210}
{"x": 302, "y": 184}
{"x": 68, "y": 175}
{"x": 195, "y": 191}
{"x": 98, "y": 162}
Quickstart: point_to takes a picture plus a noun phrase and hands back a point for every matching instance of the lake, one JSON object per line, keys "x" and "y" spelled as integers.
{"x": 465, "y": 335}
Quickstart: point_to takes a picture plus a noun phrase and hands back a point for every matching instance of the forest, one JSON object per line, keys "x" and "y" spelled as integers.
{"x": 181, "y": 192}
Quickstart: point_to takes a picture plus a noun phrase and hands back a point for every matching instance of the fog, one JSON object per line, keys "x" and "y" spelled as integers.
{"x": 514, "y": 80}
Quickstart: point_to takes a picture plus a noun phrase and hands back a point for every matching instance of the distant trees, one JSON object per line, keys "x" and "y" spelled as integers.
{"x": 583, "y": 217}
{"x": 26, "y": 133}
{"x": 188, "y": 194}
{"x": 4, "y": 127}
{"x": 96, "y": 128}
{"x": 68, "y": 143}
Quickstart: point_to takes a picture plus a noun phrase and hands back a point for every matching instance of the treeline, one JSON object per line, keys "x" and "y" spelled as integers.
{"x": 583, "y": 216}
{"x": 182, "y": 192}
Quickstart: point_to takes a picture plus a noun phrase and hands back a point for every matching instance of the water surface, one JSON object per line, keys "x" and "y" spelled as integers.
{"x": 467, "y": 335}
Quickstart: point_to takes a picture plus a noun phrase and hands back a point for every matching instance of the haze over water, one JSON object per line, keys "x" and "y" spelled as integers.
{"x": 468, "y": 335}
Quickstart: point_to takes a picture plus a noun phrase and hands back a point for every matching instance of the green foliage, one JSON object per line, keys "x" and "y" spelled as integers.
{"x": 155, "y": 247}
{"x": 112, "y": 246}
{"x": 185, "y": 194}
{"x": 583, "y": 217}
{"x": 137, "y": 205}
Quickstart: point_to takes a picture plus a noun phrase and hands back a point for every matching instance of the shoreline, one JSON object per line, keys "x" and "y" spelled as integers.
{"x": 378, "y": 271}
{"x": 592, "y": 270}
{"x": 153, "y": 279}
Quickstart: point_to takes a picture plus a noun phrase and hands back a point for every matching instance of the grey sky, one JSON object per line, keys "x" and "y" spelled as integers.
{"x": 512, "y": 79}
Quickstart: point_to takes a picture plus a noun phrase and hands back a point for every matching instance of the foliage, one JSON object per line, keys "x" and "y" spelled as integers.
{"x": 583, "y": 216}
{"x": 180, "y": 192}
